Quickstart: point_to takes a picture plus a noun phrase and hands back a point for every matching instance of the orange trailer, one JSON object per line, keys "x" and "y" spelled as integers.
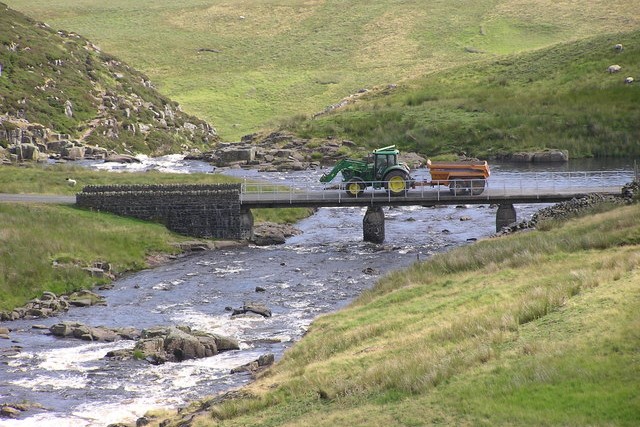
{"x": 465, "y": 177}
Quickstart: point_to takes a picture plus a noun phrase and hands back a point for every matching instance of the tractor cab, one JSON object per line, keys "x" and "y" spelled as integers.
{"x": 382, "y": 159}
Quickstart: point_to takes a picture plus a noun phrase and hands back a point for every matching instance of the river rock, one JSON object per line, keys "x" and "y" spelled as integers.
{"x": 89, "y": 333}
{"x": 551, "y": 156}
{"x": 546, "y": 156}
{"x": 86, "y": 298}
{"x": 255, "y": 365}
{"x": 252, "y": 307}
{"x": 121, "y": 158}
{"x": 14, "y": 350}
{"x": 224, "y": 343}
{"x": 9, "y": 412}
{"x": 175, "y": 344}
{"x": 14, "y": 410}
{"x": 269, "y": 233}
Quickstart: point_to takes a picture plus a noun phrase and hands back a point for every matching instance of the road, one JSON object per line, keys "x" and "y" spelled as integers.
{"x": 37, "y": 198}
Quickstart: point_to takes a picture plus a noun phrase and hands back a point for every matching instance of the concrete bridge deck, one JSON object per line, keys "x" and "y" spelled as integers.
{"x": 256, "y": 196}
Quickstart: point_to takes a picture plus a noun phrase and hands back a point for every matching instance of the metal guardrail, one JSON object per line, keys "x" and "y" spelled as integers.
{"x": 542, "y": 183}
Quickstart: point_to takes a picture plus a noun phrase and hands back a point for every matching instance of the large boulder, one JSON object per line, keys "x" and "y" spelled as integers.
{"x": 86, "y": 298}
{"x": 182, "y": 346}
{"x": 27, "y": 151}
{"x": 73, "y": 153}
{"x": 269, "y": 233}
{"x": 252, "y": 307}
{"x": 121, "y": 158}
{"x": 175, "y": 344}
{"x": 545, "y": 156}
{"x": 551, "y": 156}
{"x": 234, "y": 154}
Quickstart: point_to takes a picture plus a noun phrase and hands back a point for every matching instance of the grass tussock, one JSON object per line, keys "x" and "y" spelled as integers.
{"x": 486, "y": 337}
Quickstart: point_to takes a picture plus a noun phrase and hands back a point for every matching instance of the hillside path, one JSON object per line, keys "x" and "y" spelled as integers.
{"x": 37, "y": 198}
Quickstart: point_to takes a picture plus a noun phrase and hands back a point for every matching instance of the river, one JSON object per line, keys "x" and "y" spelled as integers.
{"x": 317, "y": 272}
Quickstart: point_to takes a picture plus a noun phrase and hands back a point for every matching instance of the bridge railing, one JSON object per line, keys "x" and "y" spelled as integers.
{"x": 560, "y": 182}
{"x": 509, "y": 183}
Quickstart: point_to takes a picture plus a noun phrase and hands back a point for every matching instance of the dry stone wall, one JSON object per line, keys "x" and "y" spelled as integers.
{"x": 209, "y": 211}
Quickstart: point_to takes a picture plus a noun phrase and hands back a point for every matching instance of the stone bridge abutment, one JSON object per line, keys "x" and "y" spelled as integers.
{"x": 208, "y": 211}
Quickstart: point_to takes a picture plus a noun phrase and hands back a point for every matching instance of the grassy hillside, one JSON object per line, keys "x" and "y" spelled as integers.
{"x": 541, "y": 328}
{"x": 242, "y": 64}
{"x": 557, "y": 97}
{"x": 59, "y": 80}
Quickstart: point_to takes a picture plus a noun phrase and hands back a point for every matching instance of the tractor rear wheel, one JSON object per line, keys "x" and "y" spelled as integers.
{"x": 396, "y": 183}
{"x": 355, "y": 187}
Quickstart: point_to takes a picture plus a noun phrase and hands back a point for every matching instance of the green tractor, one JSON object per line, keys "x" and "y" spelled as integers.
{"x": 381, "y": 170}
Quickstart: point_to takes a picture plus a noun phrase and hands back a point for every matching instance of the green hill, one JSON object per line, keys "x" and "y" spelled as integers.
{"x": 556, "y": 97}
{"x": 58, "y": 87}
{"x": 243, "y": 64}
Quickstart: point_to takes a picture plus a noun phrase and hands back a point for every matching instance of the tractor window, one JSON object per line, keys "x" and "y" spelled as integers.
{"x": 381, "y": 165}
{"x": 383, "y": 162}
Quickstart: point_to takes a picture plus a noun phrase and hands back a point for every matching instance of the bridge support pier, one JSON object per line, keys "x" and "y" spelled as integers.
{"x": 246, "y": 224}
{"x": 506, "y": 215}
{"x": 373, "y": 225}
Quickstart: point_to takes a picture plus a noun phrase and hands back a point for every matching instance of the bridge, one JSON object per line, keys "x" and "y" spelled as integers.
{"x": 505, "y": 196}
{"x": 224, "y": 211}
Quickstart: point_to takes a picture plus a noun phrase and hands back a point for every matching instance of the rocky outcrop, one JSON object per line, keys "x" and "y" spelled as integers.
{"x": 277, "y": 152}
{"x": 174, "y": 344}
{"x": 69, "y": 100}
{"x": 282, "y": 151}
{"x": 545, "y": 156}
{"x": 49, "y": 305}
{"x": 269, "y": 233}
{"x": 90, "y": 333}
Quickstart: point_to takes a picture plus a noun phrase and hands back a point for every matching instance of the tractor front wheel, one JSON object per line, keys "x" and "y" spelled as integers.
{"x": 396, "y": 183}
{"x": 355, "y": 187}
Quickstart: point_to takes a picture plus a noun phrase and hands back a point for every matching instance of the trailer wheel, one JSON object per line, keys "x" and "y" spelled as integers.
{"x": 478, "y": 186}
{"x": 396, "y": 183}
{"x": 355, "y": 187}
{"x": 459, "y": 187}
